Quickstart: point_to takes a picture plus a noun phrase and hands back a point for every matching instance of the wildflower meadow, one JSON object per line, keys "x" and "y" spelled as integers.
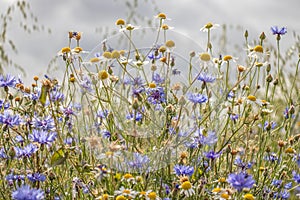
{"x": 149, "y": 114}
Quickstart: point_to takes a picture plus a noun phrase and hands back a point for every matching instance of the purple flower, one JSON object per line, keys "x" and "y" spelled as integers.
{"x": 68, "y": 110}
{"x": 36, "y": 177}
{"x": 42, "y": 137}
{"x": 183, "y": 170}
{"x": 234, "y": 117}
{"x": 157, "y": 78}
{"x": 25, "y": 192}
{"x": 297, "y": 159}
{"x": 138, "y": 116}
{"x": 197, "y": 98}
{"x": 8, "y": 81}
{"x": 46, "y": 124}
{"x": 212, "y": 155}
{"x": 238, "y": 162}
{"x": 240, "y": 181}
{"x": 276, "y": 183}
{"x": 27, "y": 151}
{"x": 152, "y": 56}
{"x": 156, "y": 95}
{"x": 86, "y": 85}
{"x": 206, "y": 78}
{"x": 139, "y": 162}
{"x": 276, "y": 31}
{"x": 11, "y": 178}
{"x": 4, "y": 105}
{"x": 10, "y": 120}
{"x": 3, "y": 153}
{"x": 296, "y": 177}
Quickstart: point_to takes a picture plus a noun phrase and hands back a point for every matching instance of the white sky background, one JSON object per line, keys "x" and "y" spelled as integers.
{"x": 188, "y": 16}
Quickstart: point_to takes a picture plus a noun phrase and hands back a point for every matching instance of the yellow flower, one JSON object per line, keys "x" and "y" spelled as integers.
{"x": 107, "y": 55}
{"x": 120, "y": 22}
{"x": 152, "y": 195}
{"x": 65, "y": 50}
{"x": 258, "y": 48}
{"x": 227, "y": 58}
{"x": 251, "y": 98}
{"x": 225, "y": 196}
{"x": 115, "y": 54}
{"x": 162, "y": 16}
{"x": 94, "y": 60}
{"x": 121, "y": 197}
{"x": 205, "y": 57}
{"x": 216, "y": 190}
{"x": 290, "y": 150}
{"x": 186, "y": 185}
{"x": 209, "y": 26}
{"x": 152, "y": 85}
{"x": 249, "y": 196}
{"x": 170, "y": 43}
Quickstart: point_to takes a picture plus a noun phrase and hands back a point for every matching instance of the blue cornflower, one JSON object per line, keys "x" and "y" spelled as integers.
{"x": 157, "y": 78}
{"x": 19, "y": 139}
{"x": 86, "y": 85}
{"x": 10, "y": 120}
{"x": 272, "y": 157}
{"x": 36, "y": 177}
{"x": 55, "y": 96}
{"x": 152, "y": 56}
{"x": 4, "y": 105}
{"x": 175, "y": 71}
{"x": 25, "y": 192}
{"x": 234, "y": 117}
{"x": 136, "y": 81}
{"x": 206, "y": 78}
{"x": 212, "y": 155}
{"x": 284, "y": 194}
{"x": 68, "y": 110}
{"x": 8, "y": 81}
{"x": 238, "y": 162}
{"x": 296, "y": 177}
{"x": 276, "y": 183}
{"x": 138, "y": 116}
{"x": 46, "y": 124}
{"x": 11, "y": 178}
{"x": 139, "y": 162}
{"x": 240, "y": 181}
{"x": 42, "y": 137}
{"x": 197, "y": 98}
{"x": 297, "y": 159}
{"x": 156, "y": 95}
{"x": 288, "y": 185}
{"x": 27, "y": 151}
{"x": 276, "y": 31}
{"x": 287, "y": 113}
{"x": 102, "y": 114}
{"x": 183, "y": 170}
{"x": 269, "y": 125}
{"x": 106, "y": 134}
{"x": 3, "y": 153}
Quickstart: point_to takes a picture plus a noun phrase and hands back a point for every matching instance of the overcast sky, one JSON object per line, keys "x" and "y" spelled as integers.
{"x": 92, "y": 17}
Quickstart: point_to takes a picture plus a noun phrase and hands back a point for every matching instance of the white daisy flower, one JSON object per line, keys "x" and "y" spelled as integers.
{"x": 187, "y": 189}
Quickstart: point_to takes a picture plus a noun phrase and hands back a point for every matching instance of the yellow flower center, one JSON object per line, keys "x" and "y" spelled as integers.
{"x": 227, "y": 58}
{"x": 143, "y": 193}
{"x": 249, "y": 196}
{"x": 162, "y": 15}
{"x": 170, "y": 43}
{"x": 105, "y": 196}
{"x": 127, "y": 176}
{"x": 209, "y": 25}
{"x": 251, "y": 98}
{"x": 118, "y": 176}
{"x": 162, "y": 49}
{"x": 259, "y": 64}
{"x": 126, "y": 191}
{"x": 109, "y": 153}
{"x": 120, "y": 22}
{"x": 152, "y": 85}
{"x": 121, "y": 197}
{"x": 94, "y": 60}
{"x": 107, "y": 55}
{"x": 222, "y": 180}
{"x": 77, "y": 49}
{"x": 165, "y": 26}
{"x": 115, "y": 54}
{"x": 216, "y": 190}
{"x": 102, "y": 75}
{"x": 65, "y": 50}
{"x": 205, "y": 57}
{"x": 186, "y": 185}
{"x": 289, "y": 150}
{"x": 259, "y": 49}
{"x": 225, "y": 196}
{"x": 152, "y": 195}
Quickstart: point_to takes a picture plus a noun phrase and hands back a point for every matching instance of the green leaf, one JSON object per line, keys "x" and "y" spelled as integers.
{"x": 43, "y": 95}
{"x": 58, "y": 158}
